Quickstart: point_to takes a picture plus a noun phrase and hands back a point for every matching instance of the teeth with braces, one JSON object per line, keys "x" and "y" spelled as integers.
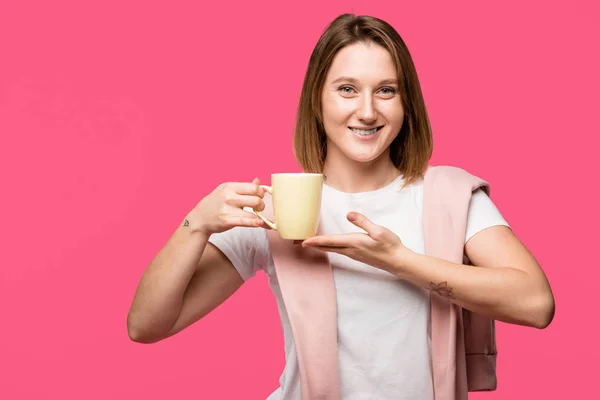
{"x": 363, "y": 132}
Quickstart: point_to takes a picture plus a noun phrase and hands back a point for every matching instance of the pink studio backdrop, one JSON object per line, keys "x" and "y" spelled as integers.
{"x": 117, "y": 117}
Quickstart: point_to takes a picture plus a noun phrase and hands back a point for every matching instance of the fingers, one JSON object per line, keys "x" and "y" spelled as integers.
{"x": 242, "y": 194}
{"x": 335, "y": 241}
{"x": 241, "y": 201}
{"x": 236, "y": 217}
{"x": 236, "y": 202}
{"x": 249, "y": 221}
{"x": 246, "y": 188}
{"x": 362, "y": 222}
{"x": 340, "y": 250}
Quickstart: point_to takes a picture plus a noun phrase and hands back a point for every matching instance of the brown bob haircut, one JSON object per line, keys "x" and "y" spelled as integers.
{"x": 411, "y": 150}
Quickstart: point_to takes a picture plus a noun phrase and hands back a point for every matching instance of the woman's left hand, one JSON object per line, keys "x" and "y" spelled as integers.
{"x": 378, "y": 247}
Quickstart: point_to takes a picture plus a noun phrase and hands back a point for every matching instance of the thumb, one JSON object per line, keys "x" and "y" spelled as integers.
{"x": 256, "y": 181}
{"x": 362, "y": 222}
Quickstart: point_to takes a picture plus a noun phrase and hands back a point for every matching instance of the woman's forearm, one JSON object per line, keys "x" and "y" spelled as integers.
{"x": 502, "y": 293}
{"x": 160, "y": 292}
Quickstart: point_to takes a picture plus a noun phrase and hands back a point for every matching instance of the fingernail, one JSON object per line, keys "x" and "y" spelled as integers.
{"x": 351, "y": 216}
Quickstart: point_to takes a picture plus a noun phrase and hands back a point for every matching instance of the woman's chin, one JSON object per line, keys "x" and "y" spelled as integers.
{"x": 362, "y": 157}
{"x": 359, "y": 154}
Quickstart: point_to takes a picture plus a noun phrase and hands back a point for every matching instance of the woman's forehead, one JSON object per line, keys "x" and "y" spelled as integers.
{"x": 362, "y": 62}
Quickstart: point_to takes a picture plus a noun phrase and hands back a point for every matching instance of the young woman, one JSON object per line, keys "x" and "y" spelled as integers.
{"x": 362, "y": 123}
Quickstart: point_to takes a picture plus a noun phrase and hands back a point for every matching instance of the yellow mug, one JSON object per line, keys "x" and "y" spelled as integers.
{"x": 296, "y": 204}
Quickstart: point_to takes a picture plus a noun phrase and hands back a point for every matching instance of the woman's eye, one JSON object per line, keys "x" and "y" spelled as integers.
{"x": 388, "y": 91}
{"x": 345, "y": 89}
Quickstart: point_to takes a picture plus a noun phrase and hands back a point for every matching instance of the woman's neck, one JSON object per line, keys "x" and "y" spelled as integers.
{"x": 355, "y": 177}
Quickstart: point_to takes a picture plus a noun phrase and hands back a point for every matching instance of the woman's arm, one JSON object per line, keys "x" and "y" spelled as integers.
{"x": 506, "y": 284}
{"x": 188, "y": 278}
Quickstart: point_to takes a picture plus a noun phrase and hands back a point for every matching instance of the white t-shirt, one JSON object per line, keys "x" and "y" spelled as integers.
{"x": 383, "y": 339}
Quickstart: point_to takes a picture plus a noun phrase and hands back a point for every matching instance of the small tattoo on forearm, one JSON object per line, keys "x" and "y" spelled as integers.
{"x": 186, "y": 223}
{"x": 442, "y": 289}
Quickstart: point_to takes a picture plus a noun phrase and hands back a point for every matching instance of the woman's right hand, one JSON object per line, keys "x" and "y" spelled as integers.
{"x": 222, "y": 209}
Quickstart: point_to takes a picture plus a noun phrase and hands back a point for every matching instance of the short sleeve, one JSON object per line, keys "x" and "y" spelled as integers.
{"x": 483, "y": 214}
{"x": 245, "y": 247}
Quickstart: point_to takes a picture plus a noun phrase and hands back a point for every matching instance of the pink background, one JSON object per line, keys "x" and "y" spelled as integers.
{"x": 117, "y": 118}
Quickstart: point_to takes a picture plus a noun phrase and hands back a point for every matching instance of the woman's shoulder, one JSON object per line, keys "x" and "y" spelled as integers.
{"x": 452, "y": 177}
{"x": 447, "y": 170}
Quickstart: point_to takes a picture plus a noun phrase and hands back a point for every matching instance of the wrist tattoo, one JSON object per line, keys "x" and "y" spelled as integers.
{"x": 442, "y": 289}
{"x": 186, "y": 223}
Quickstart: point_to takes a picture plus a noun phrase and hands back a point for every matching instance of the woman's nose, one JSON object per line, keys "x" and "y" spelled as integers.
{"x": 366, "y": 109}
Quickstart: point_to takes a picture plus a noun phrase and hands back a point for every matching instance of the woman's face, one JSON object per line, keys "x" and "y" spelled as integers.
{"x": 361, "y": 105}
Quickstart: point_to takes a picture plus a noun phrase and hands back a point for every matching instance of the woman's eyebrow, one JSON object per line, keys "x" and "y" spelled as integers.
{"x": 388, "y": 81}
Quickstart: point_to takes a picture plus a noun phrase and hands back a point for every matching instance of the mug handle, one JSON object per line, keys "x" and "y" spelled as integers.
{"x": 272, "y": 225}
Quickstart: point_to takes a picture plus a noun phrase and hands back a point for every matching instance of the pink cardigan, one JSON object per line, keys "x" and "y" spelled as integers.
{"x": 463, "y": 343}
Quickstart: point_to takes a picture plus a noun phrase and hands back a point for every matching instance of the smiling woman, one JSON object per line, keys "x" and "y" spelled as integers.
{"x": 396, "y": 295}
{"x": 361, "y": 77}
{"x": 362, "y": 113}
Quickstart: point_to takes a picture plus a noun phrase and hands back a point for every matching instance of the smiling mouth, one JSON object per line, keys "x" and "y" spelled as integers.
{"x": 366, "y": 132}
